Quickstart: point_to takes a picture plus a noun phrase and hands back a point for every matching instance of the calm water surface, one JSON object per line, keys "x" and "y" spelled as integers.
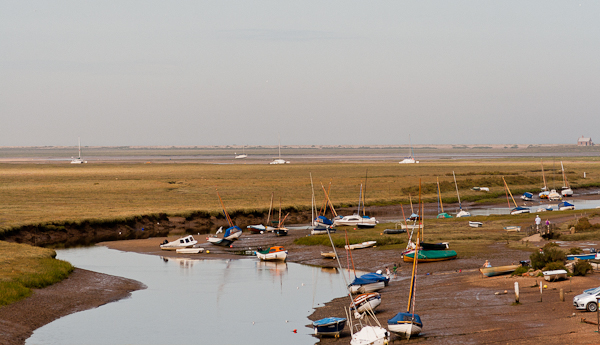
{"x": 196, "y": 302}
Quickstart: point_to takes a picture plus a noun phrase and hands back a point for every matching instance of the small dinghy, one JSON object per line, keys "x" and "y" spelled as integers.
{"x": 329, "y": 326}
{"x": 328, "y": 255}
{"x": 365, "y": 302}
{"x": 394, "y": 231}
{"x": 475, "y": 224}
{"x": 275, "y": 253}
{"x": 498, "y": 270}
{"x": 361, "y": 245}
{"x": 183, "y": 242}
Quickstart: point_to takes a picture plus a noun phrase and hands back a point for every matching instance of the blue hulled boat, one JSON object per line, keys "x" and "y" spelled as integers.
{"x": 329, "y": 326}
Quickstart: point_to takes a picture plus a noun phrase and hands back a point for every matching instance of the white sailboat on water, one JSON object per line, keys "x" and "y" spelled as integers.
{"x": 78, "y": 160}
{"x": 411, "y": 158}
{"x": 243, "y": 155}
{"x": 279, "y": 160}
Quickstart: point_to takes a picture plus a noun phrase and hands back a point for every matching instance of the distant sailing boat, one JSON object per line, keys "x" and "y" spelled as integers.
{"x": 78, "y": 160}
{"x": 279, "y": 160}
{"x": 243, "y": 155}
{"x": 461, "y": 212}
{"x": 411, "y": 158}
{"x": 566, "y": 189}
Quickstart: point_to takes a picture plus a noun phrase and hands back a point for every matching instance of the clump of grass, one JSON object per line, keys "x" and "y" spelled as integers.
{"x": 23, "y": 267}
{"x": 581, "y": 268}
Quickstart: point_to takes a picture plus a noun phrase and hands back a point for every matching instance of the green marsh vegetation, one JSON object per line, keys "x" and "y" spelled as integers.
{"x": 23, "y": 267}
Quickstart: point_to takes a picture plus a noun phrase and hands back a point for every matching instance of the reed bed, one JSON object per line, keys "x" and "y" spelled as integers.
{"x": 56, "y": 193}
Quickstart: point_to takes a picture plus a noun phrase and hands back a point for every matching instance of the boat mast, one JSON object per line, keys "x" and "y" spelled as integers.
{"x": 365, "y": 193}
{"x": 79, "y": 141}
{"x": 565, "y": 182}
{"x": 508, "y": 189}
{"x": 359, "y": 198}
{"x": 543, "y": 176}
{"x": 312, "y": 202}
{"x": 270, "y": 208}
{"x": 458, "y": 195}
{"x": 224, "y": 210}
{"x": 440, "y": 195}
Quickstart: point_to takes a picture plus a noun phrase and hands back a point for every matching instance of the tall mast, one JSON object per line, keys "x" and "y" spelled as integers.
{"x": 458, "y": 195}
{"x": 79, "y": 141}
{"x": 543, "y": 176}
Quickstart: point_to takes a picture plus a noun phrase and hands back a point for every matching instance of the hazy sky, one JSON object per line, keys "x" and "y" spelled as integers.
{"x": 317, "y": 72}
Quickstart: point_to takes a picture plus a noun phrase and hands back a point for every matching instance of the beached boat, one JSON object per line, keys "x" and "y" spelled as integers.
{"x": 259, "y": 228}
{"x": 243, "y": 155}
{"x": 361, "y": 221}
{"x": 520, "y": 210}
{"x": 275, "y": 253}
{"x": 429, "y": 255}
{"x": 329, "y": 326}
{"x": 322, "y": 230}
{"x": 361, "y": 245}
{"x": 512, "y": 228}
{"x": 555, "y": 275}
{"x": 183, "y": 242}
{"x": 565, "y": 206}
{"x": 527, "y": 196}
{"x": 365, "y": 302}
{"x": 461, "y": 212}
{"x": 566, "y": 190}
{"x": 411, "y": 226}
{"x": 328, "y": 255}
{"x": 554, "y": 195}
{"x": 394, "y": 231}
{"x": 590, "y": 256}
{"x": 517, "y": 209}
{"x": 434, "y": 246}
{"x": 368, "y": 282}
{"x": 475, "y": 224}
{"x": 545, "y": 208}
{"x": 408, "y": 323}
{"x": 193, "y": 250}
{"x": 498, "y": 270}
{"x": 544, "y": 191}
{"x": 370, "y": 335}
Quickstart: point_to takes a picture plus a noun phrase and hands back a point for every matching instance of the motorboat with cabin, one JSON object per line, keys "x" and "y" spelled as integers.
{"x": 183, "y": 242}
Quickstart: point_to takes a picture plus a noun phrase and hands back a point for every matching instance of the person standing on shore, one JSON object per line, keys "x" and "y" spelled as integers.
{"x": 538, "y": 221}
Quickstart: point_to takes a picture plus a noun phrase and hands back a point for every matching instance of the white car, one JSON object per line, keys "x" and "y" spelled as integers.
{"x": 587, "y": 300}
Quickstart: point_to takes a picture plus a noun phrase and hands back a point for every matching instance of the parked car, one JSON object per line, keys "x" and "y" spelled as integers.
{"x": 587, "y": 300}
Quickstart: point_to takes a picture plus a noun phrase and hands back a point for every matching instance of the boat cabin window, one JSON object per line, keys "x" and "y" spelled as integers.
{"x": 180, "y": 241}
{"x": 187, "y": 240}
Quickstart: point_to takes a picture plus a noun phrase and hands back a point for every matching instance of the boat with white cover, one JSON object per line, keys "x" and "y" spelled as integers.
{"x": 555, "y": 275}
{"x": 360, "y": 245}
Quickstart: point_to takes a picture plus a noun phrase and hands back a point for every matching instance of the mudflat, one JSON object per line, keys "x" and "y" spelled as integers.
{"x": 81, "y": 291}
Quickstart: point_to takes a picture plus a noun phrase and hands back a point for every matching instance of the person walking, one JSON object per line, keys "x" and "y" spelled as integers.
{"x": 538, "y": 221}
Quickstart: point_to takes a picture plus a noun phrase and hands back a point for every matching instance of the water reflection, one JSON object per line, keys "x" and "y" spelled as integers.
{"x": 214, "y": 301}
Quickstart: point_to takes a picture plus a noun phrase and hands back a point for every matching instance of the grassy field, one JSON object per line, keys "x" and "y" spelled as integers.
{"x": 23, "y": 267}
{"x": 41, "y": 193}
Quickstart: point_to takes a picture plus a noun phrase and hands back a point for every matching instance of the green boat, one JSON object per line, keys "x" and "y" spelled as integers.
{"x": 430, "y": 255}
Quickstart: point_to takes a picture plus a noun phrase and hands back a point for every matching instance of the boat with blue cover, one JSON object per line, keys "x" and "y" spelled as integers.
{"x": 527, "y": 196}
{"x": 329, "y": 326}
{"x": 565, "y": 205}
{"x": 230, "y": 234}
{"x": 368, "y": 282}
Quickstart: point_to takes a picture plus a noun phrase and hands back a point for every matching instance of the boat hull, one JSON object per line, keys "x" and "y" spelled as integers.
{"x": 366, "y": 288}
{"x": 498, "y": 270}
{"x": 190, "y": 250}
{"x": 365, "y": 302}
{"x": 406, "y": 329}
{"x": 430, "y": 255}
{"x": 475, "y": 224}
{"x": 276, "y": 256}
{"x": 360, "y": 245}
{"x": 555, "y": 275}
{"x": 394, "y": 231}
{"x": 329, "y": 327}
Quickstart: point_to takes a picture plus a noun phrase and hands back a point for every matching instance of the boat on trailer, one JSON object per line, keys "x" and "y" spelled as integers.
{"x": 183, "y": 242}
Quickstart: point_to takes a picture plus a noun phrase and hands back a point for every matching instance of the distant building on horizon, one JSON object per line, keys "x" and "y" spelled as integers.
{"x": 584, "y": 141}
